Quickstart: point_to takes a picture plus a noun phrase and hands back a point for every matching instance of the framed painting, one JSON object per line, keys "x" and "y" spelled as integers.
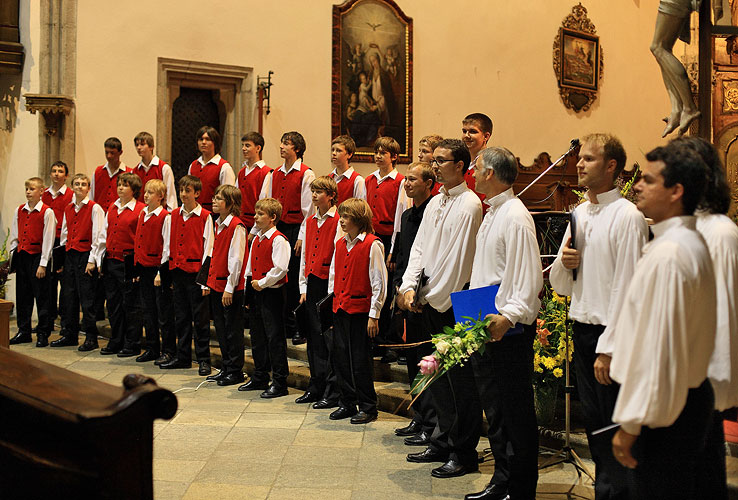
{"x": 579, "y": 60}
{"x": 372, "y": 75}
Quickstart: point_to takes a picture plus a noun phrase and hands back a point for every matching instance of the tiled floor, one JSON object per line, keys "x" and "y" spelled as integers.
{"x": 231, "y": 445}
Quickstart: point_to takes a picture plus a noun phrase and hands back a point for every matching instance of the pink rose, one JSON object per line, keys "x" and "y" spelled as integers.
{"x": 428, "y": 365}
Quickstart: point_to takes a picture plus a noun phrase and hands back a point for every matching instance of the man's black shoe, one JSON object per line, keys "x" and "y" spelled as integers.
{"x": 231, "y": 379}
{"x": 42, "y": 340}
{"x": 148, "y": 355}
{"x": 427, "y": 456}
{"x": 252, "y": 385}
{"x": 452, "y": 468}
{"x": 389, "y": 357}
{"x": 273, "y": 392}
{"x": 204, "y": 368}
{"x": 342, "y": 413}
{"x": 420, "y": 439}
{"x": 298, "y": 339}
{"x": 410, "y": 429}
{"x": 128, "y": 352}
{"x": 217, "y": 376}
{"x": 164, "y": 358}
{"x": 324, "y": 404}
{"x": 65, "y": 342}
{"x": 175, "y": 363}
{"x": 107, "y": 350}
{"x": 308, "y": 397}
{"x": 363, "y": 418}
{"x": 491, "y": 492}
{"x": 21, "y": 338}
{"x": 88, "y": 345}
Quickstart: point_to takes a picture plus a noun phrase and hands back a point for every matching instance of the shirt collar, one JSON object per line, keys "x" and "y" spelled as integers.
{"x": 268, "y": 234}
{"x": 83, "y": 202}
{"x": 54, "y": 194}
{"x": 687, "y": 221}
{"x": 606, "y": 197}
{"x": 391, "y": 175}
{"x": 121, "y": 168}
{"x": 259, "y": 164}
{"x": 359, "y": 237}
{"x": 456, "y": 190}
{"x": 215, "y": 159}
{"x": 156, "y": 211}
{"x": 226, "y": 221}
{"x": 37, "y": 207}
{"x": 196, "y": 211}
{"x": 330, "y": 213}
{"x": 347, "y": 174}
{"x": 130, "y": 205}
{"x": 296, "y": 165}
{"x": 500, "y": 198}
{"x": 154, "y": 162}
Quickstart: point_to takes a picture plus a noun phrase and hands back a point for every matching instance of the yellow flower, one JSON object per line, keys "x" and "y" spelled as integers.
{"x": 548, "y": 362}
{"x": 558, "y": 373}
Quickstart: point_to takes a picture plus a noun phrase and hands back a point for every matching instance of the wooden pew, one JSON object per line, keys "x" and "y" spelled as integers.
{"x": 65, "y": 435}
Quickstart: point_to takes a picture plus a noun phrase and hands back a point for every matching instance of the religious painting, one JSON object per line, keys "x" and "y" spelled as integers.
{"x": 579, "y": 59}
{"x": 372, "y": 75}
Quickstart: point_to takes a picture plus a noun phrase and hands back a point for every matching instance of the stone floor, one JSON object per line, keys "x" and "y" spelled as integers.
{"x": 232, "y": 445}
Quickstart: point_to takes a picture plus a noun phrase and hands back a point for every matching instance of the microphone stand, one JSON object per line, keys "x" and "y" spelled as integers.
{"x": 572, "y": 146}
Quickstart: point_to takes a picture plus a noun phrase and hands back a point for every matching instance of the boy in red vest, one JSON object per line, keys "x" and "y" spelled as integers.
{"x": 150, "y": 254}
{"x": 104, "y": 188}
{"x": 321, "y": 233}
{"x": 81, "y": 236}
{"x": 350, "y": 184}
{"x": 253, "y": 178}
{"x": 226, "y": 282}
{"x": 32, "y": 238}
{"x": 358, "y": 280}
{"x": 121, "y": 289}
{"x": 267, "y": 267}
{"x": 210, "y": 168}
{"x": 189, "y": 245}
{"x": 152, "y": 167}
{"x": 476, "y": 129}
{"x": 290, "y": 186}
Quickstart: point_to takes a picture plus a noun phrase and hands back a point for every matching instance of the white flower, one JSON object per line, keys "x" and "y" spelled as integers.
{"x": 443, "y": 347}
{"x": 457, "y": 341}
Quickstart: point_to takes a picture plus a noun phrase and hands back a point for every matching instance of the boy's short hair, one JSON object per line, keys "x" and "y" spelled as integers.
{"x": 213, "y": 134}
{"x": 269, "y": 206}
{"x": 60, "y": 163}
{"x": 297, "y": 140}
{"x": 431, "y": 141}
{"x": 327, "y": 184}
{"x": 35, "y": 180}
{"x": 145, "y": 138}
{"x": 347, "y": 142}
{"x": 426, "y": 171}
{"x": 388, "y": 144}
{"x": 81, "y": 176}
{"x": 716, "y": 199}
{"x": 612, "y": 149}
{"x": 359, "y": 212}
{"x": 254, "y": 137}
{"x": 190, "y": 181}
{"x": 458, "y": 150}
{"x": 113, "y": 143}
{"x": 232, "y": 197}
{"x": 682, "y": 165}
{"x": 157, "y": 186}
{"x": 484, "y": 121}
{"x": 132, "y": 181}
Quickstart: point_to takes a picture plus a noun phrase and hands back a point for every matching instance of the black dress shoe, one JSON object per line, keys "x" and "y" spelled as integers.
{"x": 204, "y": 368}
{"x": 253, "y": 385}
{"x": 107, "y": 350}
{"x": 308, "y": 397}
{"x": 128, "y": 352}
{"x": 231, "y": 379}
{"x": 363, "y": 418}
{"x": 342, "y": 413}
{"x": 324, "y": 404}
{"x": 148, "y": 355}
{"x": 217, "y": 376}
{"x": 273, "y": 392}
{"x": 42, "y": 340}
{"x": 88, "y": 345}
{"x": 65, "y": 342}
{"x": 164, "y": 358}
{"x": 389, "y": 357}
{"x": 452, "y": 468}
{"x": 410, "y": 429}
{"x": 491, "y": 492}
{"x": 174, "y": 364}
{"x": 298, "y": 339}
{"x": 427, "y": 456}
{"x": 21, "y": 338}
{"x": 420, "y": 439}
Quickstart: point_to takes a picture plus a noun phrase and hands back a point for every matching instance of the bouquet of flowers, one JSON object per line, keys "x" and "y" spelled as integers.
{"x": 4, "y": 265}
{"x": 549, "y": 346}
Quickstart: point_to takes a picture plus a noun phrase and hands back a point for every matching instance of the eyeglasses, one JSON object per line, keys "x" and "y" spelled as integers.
{"x": 440, "y": 161}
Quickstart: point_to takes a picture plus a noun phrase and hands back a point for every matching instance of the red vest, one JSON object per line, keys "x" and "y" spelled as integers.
{"x": 122, "y": 231}
{"x": 218, "y": 273}
{"x": 383, "y": 200}
{"x": 79, "y": 227}
{"x": 250, "y": 186}
{"x": 149, "y": 243}
{"x": 261, "y": 257}
{"x": 287, "y": 189}
{"x": 471, "y": 183}
{"x": 155, "y": 172}
{"x": 209, "y": 175}
{"x": 345, "y": 187}
{"x": 58, "y": 205}
{"x": 186, "y": 244}
{"x": 106, "y": 188}
{"x": 319, "y": 246}
{"x": 352, "y": 290}
{"x": 31, "y": 230}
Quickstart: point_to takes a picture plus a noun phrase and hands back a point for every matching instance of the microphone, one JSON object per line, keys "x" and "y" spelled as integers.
{"x": 573, "y": 144}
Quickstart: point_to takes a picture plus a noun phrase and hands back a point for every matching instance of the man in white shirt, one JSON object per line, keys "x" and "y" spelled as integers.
{"x": 441, "y": 256}
{"x": 665, "y": 334}
{"x": 507, "y": 255}
{"x": 610, "y": 233}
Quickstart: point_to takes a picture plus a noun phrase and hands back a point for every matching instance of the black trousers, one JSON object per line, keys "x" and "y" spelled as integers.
{"x": 268, "y": 344}
{"x": 504, "y": 378}
{"x": 352, "y": 348}
{"x": 78, "y": 290}
{"x": 668, "y": 456}
{"x": 29, "y": 289}
{"x": 229, "y": 329}
{"x": 292, "y": 322}
{"x": 387, "y": 334}
{"x": 56, "y": 294}
{"x": 711, "y": 474}
{"x": 456, "y": 401}
{"x": 158, "y": 309}
{"x": 192, "y": 308}
{"x": 598, "y": 404}
{"x": 424, "y": 409}
{"x": 124, "y": 306}
{"x": 317, "y": 348}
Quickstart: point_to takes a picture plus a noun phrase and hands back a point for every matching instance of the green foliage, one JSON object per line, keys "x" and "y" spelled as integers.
{"x": 549, "y": 345}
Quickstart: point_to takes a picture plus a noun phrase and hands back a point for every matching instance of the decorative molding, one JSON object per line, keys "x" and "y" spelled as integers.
{"x": 52, "y": 107}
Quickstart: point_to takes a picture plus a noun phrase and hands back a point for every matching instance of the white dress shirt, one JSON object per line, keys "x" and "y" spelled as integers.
{"x": 165, "y": 230}
{"x": 403, "y": 202}
{"x": 98, "y": 220}
{"x": 49, "y": 233}
{"x": 444, "y": 247}
{"x": 280, "y": 259}
{"x": 54, "y": 194}
{"x": 236, "y": 250}
{"x": 610, "y": 236}
{"x": 121, "y": 168}
{"x": 721, "y": 236}
{"x": 332, "y": 212}
{"x": 377, "y": 272}
{"x": 167, "y": 176}
{"x": 226, "y": 175}
{"x": 507, "y": 255}
{"x": 306, "y": 195}
{"x": 665, "y": 332}
{"x": 359, "y": 183}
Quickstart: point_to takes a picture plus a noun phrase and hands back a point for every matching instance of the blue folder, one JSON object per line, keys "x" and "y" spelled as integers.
{"x": 478, "y": 303}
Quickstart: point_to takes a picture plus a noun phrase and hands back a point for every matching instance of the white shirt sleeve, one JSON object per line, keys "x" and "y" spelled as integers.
{"x": 49, "y": 235}
{"x": 280, "y": 260}
{"x": 301, "y": 275}
{"x": 306, "y": 201}
{"x": 64, "y": 232}
{"x": 166, "y": 230}
{"x": 247, "y": 264}
{"x": 360, "y": 188}
{"x": 91, "y": 194}
{"x": 13, "y": 240}
{"x": 403, "y": 203}
{"x": 102, "y": 242}
{"x": 226, "y": 175}
{"x": 332, "y": 273}
{"x": 523, "y": 277}
{"x": 235, "y": 258}
{"x": 207, "y": 237}
{"x": 377, "y": 278}
{"x": 99, "y": 226}
{"x": 562, "y": 279}
{"x": 168, "y": 178}
{"x": 266, "y": 188}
